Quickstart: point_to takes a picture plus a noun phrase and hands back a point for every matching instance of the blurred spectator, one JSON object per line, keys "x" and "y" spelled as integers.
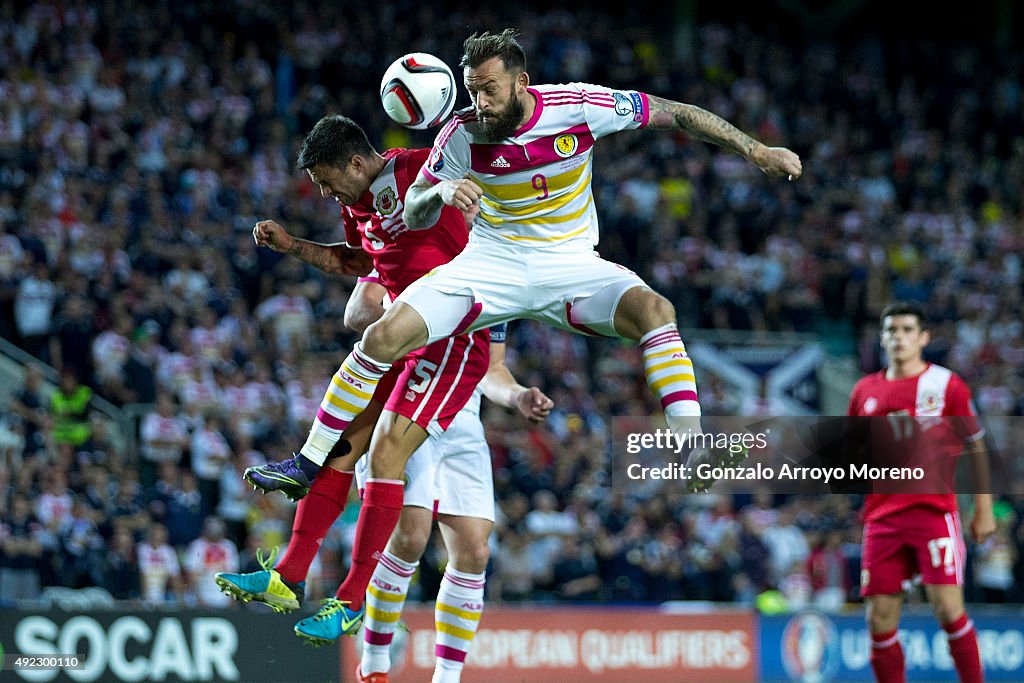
{"x": 236, "y": 496}
{"x": 110, "y": 351}
{"x": 665, "y": 563}
{"x": 21, "y": 552}
{"x": 288, "y": 317}
{"x": 185, "y": 511}
{"x": 53, "y": 505}
{"x": 143, "y": 360}
{"x": 827, "y": 568}
{"x": 33, "y": 311}
{"x": 574, "y": 573}
{"x": 754, "y": 554}
{"x": 30, "y": 405}
{"x": 787, "y": 545}
{"x": 200, "y": 394}
{"x": 120, "y": 573}
{"x": 158, "y": 496}
{"x": 717, "y": 521}
{"x": 210, "y": 454}
{"x": 249, "y": 555}
{"x": 159, "y": 570}
{"x": 796, "y": 585}
{"x": 513, "y": 578}
{"x": 81, "y": 548}
{"x": 128, "y": 508}
{"x": 164, "y": 438}
{"x": 70, "y": 405}
{"x": 72, "y": 341}
{"x": 207, "y": 555}
{"x": 547, "y": 526}
{"x": 624, "y": 559}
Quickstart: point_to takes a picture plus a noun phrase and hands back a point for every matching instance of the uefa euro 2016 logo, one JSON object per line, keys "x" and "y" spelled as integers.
{"x": 810, "y": 648}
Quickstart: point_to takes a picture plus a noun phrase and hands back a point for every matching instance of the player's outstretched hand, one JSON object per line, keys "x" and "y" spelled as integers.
{"x": 779, "y": 161}
{"x": 463, "y": 194}
{"x": 271, "y": 234}
{"x": 535, "y": 405}
{"x": 983, "y": 524}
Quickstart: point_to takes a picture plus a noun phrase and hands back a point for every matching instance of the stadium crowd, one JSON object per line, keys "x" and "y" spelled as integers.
{"x": 135, "y": 159}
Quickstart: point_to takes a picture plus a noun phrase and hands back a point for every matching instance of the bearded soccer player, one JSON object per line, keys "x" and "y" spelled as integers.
{"x": 910, "y": 534}
{"x": 521, "y": 160}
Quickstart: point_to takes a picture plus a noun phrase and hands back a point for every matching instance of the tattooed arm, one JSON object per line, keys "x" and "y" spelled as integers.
{"x": 336, "y": 259}
{"x": 703, "y": 125}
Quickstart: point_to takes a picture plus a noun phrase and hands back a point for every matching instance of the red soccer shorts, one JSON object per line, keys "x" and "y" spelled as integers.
{"x": 918, "y": 540}
{"x": 430, "y": 386}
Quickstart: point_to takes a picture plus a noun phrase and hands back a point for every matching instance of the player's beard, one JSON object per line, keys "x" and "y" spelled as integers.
{"x": 504, "y": 125}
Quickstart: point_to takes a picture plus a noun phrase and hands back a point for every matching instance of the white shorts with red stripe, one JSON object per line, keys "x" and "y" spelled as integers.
{"x": 490, "y": 283}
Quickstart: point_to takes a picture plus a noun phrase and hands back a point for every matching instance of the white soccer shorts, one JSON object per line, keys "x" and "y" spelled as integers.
{"x": 490, "y": 283}
{"x": 419, "y": 475}
{"x": 463, "y": 478}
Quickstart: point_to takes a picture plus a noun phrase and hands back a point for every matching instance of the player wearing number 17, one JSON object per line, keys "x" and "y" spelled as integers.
{"x": 919, "y": 533}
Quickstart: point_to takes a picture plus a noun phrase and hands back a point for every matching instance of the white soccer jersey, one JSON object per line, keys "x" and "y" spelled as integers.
{"x": 537, "y": 184}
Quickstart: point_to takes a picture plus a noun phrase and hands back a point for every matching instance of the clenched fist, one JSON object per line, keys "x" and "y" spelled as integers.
{"x": 271, "y": 234}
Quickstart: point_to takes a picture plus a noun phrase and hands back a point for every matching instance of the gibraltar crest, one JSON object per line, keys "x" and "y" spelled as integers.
{"x": 930, "y": 402}
{"x": 386, "y": 202}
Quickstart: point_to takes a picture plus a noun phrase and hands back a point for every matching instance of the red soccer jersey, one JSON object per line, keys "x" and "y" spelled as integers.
{"x": 401, "y": 256}
{"x": 936, "y": 392}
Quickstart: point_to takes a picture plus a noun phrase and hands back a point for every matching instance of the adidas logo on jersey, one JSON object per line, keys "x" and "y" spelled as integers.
{"x": 500, "y": 162}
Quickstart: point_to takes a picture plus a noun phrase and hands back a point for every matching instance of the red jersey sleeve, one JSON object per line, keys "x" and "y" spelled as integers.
{"x": 352, "y": 237}
{"x": 959, "y": 403}
{"x": 851, "y": 406}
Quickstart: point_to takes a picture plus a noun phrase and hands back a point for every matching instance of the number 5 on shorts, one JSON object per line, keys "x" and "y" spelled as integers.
{"x": 941, "y": 550}
{"x": 425, "y": 372}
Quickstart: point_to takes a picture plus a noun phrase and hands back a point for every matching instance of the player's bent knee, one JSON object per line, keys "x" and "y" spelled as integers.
{"x": 660, "y": 310}
{"x": 400, "y": 331}
{"x": 380, "y": 342}
{"x": 641, "y": 310}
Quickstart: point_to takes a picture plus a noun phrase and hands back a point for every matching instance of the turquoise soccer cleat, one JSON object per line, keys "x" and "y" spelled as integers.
{"x": 266, "y": 586}
{"x": 333, "y": 620}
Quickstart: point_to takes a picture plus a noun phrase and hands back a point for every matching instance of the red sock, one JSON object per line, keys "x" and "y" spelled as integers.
{"x": 382, "y": 505}
{"x": 887, "y": 658}
{"x": 313, "y": 517}
{"x": 963, "y": 647}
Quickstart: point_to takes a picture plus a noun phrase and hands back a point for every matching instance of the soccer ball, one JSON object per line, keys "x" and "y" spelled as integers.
{"x": 418, "y": 91}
